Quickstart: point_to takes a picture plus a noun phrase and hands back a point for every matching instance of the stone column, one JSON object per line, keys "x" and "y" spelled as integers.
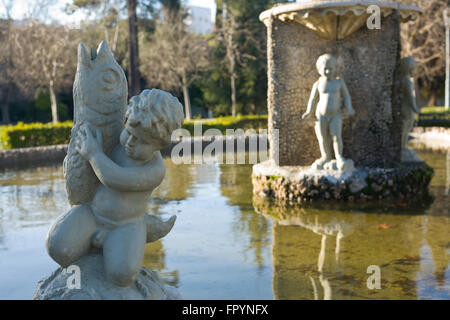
{"x": 369, "y": 59}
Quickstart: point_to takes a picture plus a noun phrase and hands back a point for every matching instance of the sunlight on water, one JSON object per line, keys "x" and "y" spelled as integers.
{"x": 227, "y": 245}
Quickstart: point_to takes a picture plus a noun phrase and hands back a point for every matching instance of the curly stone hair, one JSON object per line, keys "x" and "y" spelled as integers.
{"x": 154, "y": 113}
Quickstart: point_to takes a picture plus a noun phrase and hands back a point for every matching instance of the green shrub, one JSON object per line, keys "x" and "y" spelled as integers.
{"x": 34, "y": 135}
{"x": 223, "y": 123}
{"x": 432, "y": 109}
{"x": 39, "y": 134}
{"x": 433, "y": 117}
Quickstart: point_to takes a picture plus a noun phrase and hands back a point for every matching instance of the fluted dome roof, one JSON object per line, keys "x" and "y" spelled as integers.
{"x": 336, "y": 19}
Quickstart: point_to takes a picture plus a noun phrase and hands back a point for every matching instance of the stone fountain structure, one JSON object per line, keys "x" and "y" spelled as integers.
{"x": 368, "y": 59}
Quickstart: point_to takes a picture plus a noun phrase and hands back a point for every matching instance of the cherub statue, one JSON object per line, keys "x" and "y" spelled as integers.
{"x": 330, "y": 90}
{"x": 114, "y": 220}
{"x": 408, "y": 69}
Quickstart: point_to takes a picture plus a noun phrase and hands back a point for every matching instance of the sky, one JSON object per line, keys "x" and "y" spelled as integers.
{"x": 22, "y": 7}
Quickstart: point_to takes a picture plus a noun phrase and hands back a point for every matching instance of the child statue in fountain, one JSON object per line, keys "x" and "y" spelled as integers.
{"x": 408, "y": 69}
{"x": 115, "y": 221}
{"x": 330, "y": 90}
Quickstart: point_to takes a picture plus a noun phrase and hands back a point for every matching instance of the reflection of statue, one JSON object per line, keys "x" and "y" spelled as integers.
{"x": 334, "y": 228}
{"x": 330, "y": 90}
{"x": 115, "y": 221}
{"x": 408, "y": 68}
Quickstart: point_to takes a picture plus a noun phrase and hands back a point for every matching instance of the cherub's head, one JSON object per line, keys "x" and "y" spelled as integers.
{"x": 408, "y": 66}
{"x": 150, "y": 120}
{"x": 327, "y": 66}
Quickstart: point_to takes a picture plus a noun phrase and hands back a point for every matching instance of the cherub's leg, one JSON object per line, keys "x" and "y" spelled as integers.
{"x": 336, "y": 136}
{"x": 70, "y": 236}
{"x": 408, "y": 124}
{"x": 123, "y": 251}
{"x": 323, "y": 139}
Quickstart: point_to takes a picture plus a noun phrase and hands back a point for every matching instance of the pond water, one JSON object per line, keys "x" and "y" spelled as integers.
{"x": 222, "y": 248}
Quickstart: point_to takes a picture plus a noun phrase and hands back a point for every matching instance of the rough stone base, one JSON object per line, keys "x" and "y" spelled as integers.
{"x": 300, "y": 184}
{"x": 94, "y": 285}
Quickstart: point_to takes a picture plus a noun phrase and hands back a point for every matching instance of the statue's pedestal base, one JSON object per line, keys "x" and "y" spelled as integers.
{"x": 299, "y": 184}
{"x": 93, "y": 284}
{"x": 409, "y": 155}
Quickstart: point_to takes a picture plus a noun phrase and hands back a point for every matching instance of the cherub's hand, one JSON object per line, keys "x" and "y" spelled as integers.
{"x": 351, "y": 112}
{"x": 86, "y": 144}
{"x": 306, "y": 115}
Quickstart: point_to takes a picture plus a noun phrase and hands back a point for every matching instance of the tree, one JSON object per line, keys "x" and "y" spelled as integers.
{"x": 173, "y": 58}
{"x": 227, "y": 35}
{"x": 108, "y": 14}
{"x": 44, "y": 56}
{"x": 109, "y": 9}
{"x": 134, "y": 76}
{"x": 238, "y": 83}
{"x": 5, "y": 60}
{"x": 424, "y": 39}
{"x": 133, "y": 70}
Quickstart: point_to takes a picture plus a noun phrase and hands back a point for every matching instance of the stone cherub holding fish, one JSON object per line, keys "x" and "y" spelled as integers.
{"x": 331, "y": 92}
{"x": 113, "y": 165}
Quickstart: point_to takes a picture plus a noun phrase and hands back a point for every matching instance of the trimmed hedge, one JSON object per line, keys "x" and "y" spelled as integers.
{"x": 39, "y": 134}
{"x": 432, "y": 109}
{"x": 34, "y": 135}
{"x": 222, "y": 124}
{"x": 434, "y": 117}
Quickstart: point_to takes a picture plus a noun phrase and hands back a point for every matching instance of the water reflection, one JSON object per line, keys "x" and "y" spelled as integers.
{"x": 323, "y": 251}
{"x": 237, "y": 187}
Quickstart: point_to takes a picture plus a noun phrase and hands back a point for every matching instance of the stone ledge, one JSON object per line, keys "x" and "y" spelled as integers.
{"x": 24, "y": 156}
{"x": 301, "y": 184}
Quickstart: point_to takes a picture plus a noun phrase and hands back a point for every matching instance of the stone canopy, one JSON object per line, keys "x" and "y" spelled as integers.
{"x": 336, "y": 19}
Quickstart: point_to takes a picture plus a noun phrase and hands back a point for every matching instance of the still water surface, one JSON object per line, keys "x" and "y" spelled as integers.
{"x": 227, "y": 245}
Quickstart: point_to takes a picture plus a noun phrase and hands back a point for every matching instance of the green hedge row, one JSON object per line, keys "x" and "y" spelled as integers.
{"x": 39, "y": 134}
{"x": 34, "y": 135}
{"x": 434, "y": 117}
{"x": 222, "y": 124}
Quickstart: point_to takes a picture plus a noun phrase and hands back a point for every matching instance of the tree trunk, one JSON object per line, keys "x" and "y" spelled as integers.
{"x": 433, "y": 97}
{"x": 116, "y": 38}
{"x": 133, "y": 74}
{"x": 233, "y": 95}
{"x": 5, "y": 114}
{"x": 5, "y": 106}
{"x": 187, "y": 102}
{"x": 53, "y": 102}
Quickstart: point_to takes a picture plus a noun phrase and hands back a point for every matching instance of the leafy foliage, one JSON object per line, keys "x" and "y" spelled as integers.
{"x": 34, "y": 134}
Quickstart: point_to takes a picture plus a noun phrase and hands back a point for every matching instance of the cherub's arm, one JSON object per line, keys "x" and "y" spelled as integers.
{"x": 137, "y": 178}
{"x": 410, "y": 94}
{"x": 312, "y": 101}
{"x": 347, "y": 98}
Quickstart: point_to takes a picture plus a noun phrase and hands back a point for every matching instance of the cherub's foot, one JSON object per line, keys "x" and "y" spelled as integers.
{"x": 319, "y": 163}
{"x": 343, "y": 164}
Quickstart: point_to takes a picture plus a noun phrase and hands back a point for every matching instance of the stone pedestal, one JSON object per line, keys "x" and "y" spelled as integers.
{"x": 298, "y": 184}
{"x": 95, "y": 286}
